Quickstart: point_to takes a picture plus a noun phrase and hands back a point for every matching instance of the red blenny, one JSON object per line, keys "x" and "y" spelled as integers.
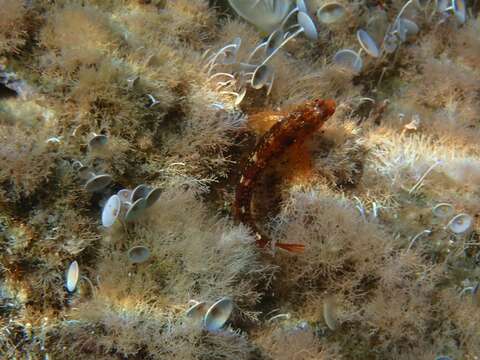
{"x": 294, "y": 128}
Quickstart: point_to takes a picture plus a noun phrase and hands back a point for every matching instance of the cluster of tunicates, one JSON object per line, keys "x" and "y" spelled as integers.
{"x": 256, "y": 70}
{"x": 274, "y": 17}
{"x": 133, "y": 202}
{"x": 212, "y": 317}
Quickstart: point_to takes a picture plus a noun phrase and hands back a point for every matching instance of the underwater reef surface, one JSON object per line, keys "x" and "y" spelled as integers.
{"x": 258, "y": 180}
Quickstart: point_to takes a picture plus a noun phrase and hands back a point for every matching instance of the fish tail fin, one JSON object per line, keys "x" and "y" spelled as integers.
{"x": 295, "y": 248}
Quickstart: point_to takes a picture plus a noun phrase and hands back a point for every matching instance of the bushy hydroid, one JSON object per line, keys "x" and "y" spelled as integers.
{"x": 382, "y": 276}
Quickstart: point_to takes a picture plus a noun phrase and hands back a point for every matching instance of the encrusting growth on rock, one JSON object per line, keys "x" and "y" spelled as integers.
{"x": 135, "y": 133}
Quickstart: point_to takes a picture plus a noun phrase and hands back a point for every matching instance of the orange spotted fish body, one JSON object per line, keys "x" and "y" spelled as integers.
{"x": 294, "y": 128}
